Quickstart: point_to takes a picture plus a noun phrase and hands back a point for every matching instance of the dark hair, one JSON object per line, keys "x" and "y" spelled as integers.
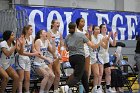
{"x": 71, "y": 25}
{"x": 6, "y": 35}
{"x": 78, "y": 21}
{"x": 25, "y": 28}
{"x": 93, "y": 27}
{"x": 53, "y": 21}
{"x": 38, "y": 35}
{"x": 101, "y": 26}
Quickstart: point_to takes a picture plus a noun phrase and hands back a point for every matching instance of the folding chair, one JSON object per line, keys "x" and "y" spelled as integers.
{"x": 64, "y": 65}
{"x": 123, "y": 65}
{"x": 121, "y": 62}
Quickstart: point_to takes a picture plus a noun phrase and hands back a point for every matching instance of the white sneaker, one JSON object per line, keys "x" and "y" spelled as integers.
{"x": 110, "y": 90}
{"x": 121, "y": 90}
{"x": 70, "y": 90}
{"x": 46, "y": 91}
{"x": 64, "y": 89}
{"x": 94, "y": 90}
{"x": 99, "y": 90}
{"x": 55, "y": 91}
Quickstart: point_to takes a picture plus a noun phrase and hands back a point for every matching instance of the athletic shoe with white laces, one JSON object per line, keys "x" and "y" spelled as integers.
{"x": 64, "y": 89}
{"x": 99, "y": 90}
{"x": 55, "y": 91}
{"x": 70, "y": 90}
{"x": 110, "y": 90}
{"x": 94, "y": 90}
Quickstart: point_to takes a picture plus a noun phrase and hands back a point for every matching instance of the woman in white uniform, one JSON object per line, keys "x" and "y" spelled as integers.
{"x": 8, "y": 48}
{"x": 96, "y": 64}
{"x": 103, "y": 53}
{"x": 54, "y": 33}
{"x": 42, "y": 45}
{"x": 3, "y": 75}
{"x": 80, "y": 22}
{"x": 23, "y": 62}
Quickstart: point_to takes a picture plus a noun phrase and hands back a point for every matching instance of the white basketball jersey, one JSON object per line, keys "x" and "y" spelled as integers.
{"x": 84, "y": 31}
{"x": 102, "y": 50}
{"x": 57, "y": 37}
{"x": 28, "y": 45}
{"x": 4, "y": 59}
{"x": 95, "y": 41}
{"x": 43, "y": 50}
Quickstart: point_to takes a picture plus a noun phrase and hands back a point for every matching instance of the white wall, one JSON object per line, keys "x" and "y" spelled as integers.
{"x": 122, "y": 5}
{"x": 93, "y": 4}
{"x": 97, "y": 4}
{"x": 132, "y": 5}
{"x": 36, "y": 2}
{"x": 4, "y": 4}
{"x": 138, "y": 6}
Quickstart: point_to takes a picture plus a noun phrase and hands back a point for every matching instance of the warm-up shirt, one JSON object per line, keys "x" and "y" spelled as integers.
{"x": 75, "y": 43}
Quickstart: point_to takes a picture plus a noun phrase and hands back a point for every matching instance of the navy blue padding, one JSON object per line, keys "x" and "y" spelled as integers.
{"x": 0, "y": 35}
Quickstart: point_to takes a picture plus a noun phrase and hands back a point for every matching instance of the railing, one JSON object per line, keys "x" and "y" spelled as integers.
{"x": 13, "y": 20}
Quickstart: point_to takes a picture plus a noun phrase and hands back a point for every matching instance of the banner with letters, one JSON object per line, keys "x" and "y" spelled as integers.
{"x": 127, "y": 24}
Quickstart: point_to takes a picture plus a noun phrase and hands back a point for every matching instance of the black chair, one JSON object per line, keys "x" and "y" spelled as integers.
{"x": 118, "y": 44}
{"x": 123, "y": 65}
{"x": 34, "y": 80}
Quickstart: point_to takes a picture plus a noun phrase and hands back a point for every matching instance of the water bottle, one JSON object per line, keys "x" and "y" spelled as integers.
{"x": 81, "y": 88}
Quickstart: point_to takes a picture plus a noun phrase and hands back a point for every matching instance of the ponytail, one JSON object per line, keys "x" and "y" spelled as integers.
{"x": 53, "y": 21}
{"x": 25, "y": 28}
{"x": 38, "y": 35}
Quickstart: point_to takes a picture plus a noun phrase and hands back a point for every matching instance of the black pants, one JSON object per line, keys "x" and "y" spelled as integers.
{"x": 78, "y": 64}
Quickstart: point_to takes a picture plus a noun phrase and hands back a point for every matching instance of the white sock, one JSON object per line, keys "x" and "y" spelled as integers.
{"x": 41, "y": 91}
{"x": 27, "y": 92}
{"x": 56, "y": 90}
{"x": 95, "y": 86}
{"x": 66, "y": 86}
{"x": 46, "y": 91}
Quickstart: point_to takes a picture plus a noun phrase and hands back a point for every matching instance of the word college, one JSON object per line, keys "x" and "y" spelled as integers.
{"x": 127, "y": 24}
